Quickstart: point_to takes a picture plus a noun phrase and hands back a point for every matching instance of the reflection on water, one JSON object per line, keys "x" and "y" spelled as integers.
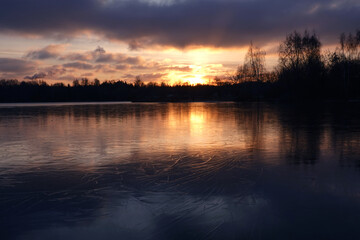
{"x": 179, "y": 171}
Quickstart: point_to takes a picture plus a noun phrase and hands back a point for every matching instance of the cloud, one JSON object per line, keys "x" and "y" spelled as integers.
{"x": 152, "y": 76}
{"x": 133, "y": 60}
{"x": 99, "y": 55}
{"x": 51, "y": 51}
{"x": 134, "y": 45}
{"x": 88, "y": 74}
{"x": 52, "y": 72}
{"x": 146, "y": 77}
{"x": 79, "y": 65}
{"x": 68, "y": 77}
{"x": 77, "y": 57}
{"x": 122, "y": 67}
{"x": 179, "y": 68}
{"x": 36, "y": 76}
{"x": 16, "y": 66}
{"x": 99, "y": 50}
{"x": 180, "y": 24}
{"x": 55, "y": 70}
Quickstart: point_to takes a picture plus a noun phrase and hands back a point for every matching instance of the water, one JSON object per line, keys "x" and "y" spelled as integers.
{"x": 179, "y": 171}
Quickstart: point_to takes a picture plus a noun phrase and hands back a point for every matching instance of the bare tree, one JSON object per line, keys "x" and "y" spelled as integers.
{"x": 349, "y": 57}
{"x": 297, "y": 50}
{"x": 242, "y": 74}
{"x": 350, "y": 46}
{"x": 138, "y": 82}
{"x": 84, "y": 82}
{"x": 217, "y": 81}
{"x": 253, "y": 67}
{"x": 254, "y": 62}
{"x": 300, "y": 65}
{"x": 76, "y": 83}
{"x": 96, "y": 82}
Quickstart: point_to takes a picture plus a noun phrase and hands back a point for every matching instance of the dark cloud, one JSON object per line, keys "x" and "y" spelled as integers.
{"x": 51, "y": 72}
{"x": 51, "y": 51}
{"x": 36, "y": 76}
{"x": 16, "y": 66}
{"x": 104, "y": 58}
{"x": 220, "y": 23}
{"x": 68, "y": 77}
{"x": 122, "y": 67}
{"x": 89, "y": 74}
{"x": 55, "y": 70}
{"x": 99, "y": 50}
{"x": 179, "y": 69}
{"x": 77, "y": 57}
{"x": 134, "y": 45}
{"x": 148, "y": 77}
{"x": 99, "y": 55}
{"x": 133, "y": 60}
{"x": 79, "y": 65}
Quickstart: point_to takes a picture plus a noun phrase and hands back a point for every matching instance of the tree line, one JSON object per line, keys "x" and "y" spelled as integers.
{"x": 303, "y": 72}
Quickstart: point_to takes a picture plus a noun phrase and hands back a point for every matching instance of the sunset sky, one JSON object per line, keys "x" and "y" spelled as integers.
{"x": 158, "y": 40}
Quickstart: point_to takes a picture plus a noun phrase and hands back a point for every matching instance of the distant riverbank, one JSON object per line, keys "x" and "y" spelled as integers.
{"x": 118, "y": 91}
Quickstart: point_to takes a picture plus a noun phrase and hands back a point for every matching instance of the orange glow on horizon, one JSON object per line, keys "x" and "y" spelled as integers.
{"x": 194, "y": 76}
{"x": 196, "y": 80}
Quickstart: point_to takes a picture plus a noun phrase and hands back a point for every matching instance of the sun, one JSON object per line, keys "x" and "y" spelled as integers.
{"x": 197, "y": 76}
{"x": 197, "y": 79}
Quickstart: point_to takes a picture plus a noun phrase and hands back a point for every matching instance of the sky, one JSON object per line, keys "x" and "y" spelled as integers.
{"x": 159, "y": 40}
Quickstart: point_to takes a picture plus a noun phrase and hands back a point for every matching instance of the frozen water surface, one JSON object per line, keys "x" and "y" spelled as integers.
{"x": 179, "y": 171}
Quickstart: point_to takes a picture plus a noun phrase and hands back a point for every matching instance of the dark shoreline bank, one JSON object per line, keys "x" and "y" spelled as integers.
{"x": 245, "y": 92}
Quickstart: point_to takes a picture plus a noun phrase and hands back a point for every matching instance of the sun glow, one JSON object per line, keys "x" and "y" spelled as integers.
{"x": 197, "y": 79}
{"x": 197, "y": 75}
{"x": 192, "y": 75}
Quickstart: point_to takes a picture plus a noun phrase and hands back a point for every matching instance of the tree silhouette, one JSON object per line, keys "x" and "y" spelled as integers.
{"x": 253, "y": 67}
{"x": 138, "y": 82}
{"x": 300, "y": 65}
{"x": 255, "y": 62}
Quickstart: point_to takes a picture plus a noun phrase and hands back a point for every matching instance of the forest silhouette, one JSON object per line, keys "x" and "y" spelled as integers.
{"x": 304, "y": 72}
